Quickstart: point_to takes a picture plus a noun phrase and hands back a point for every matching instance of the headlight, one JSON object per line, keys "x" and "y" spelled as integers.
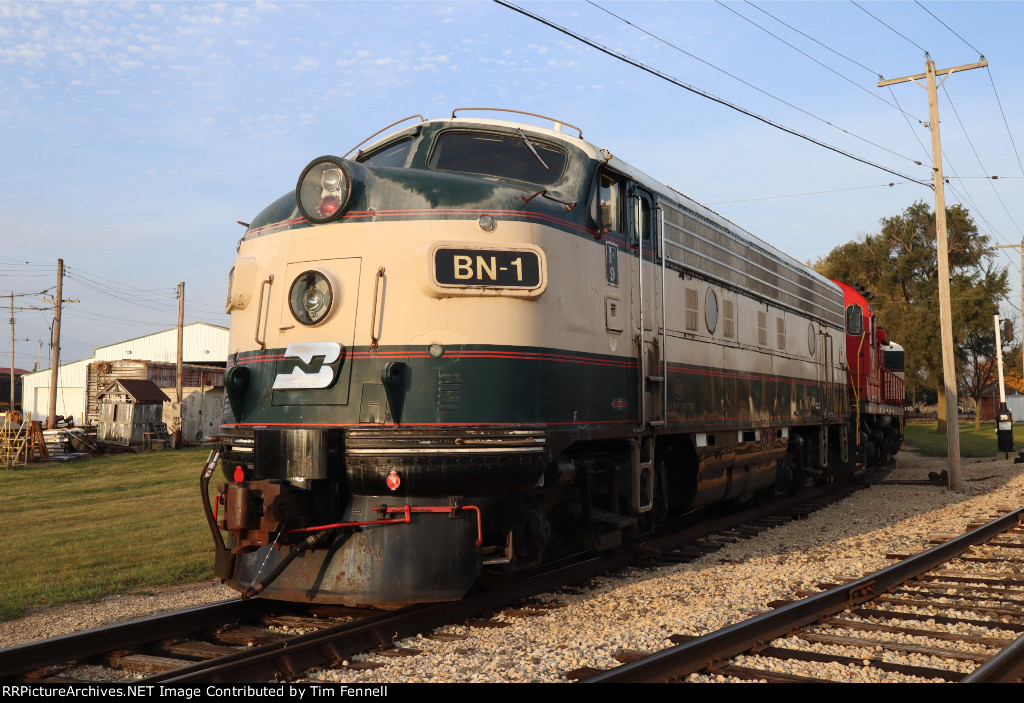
{"x": 310, "y": 297}
{"x": 323, "y": 189}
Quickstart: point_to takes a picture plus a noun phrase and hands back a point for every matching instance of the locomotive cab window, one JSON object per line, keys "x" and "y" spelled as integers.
{"x": 609, "y": 204}
{"x": 516, "y": 157}
{"x": 394, "y": 155}
{"x": 854, "y": 320}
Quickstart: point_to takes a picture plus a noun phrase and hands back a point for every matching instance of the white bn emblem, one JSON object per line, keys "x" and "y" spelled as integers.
{"x": 306, "y": 352}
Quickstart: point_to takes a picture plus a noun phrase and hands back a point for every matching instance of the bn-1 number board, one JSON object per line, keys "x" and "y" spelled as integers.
{"x": 487, "y": 267}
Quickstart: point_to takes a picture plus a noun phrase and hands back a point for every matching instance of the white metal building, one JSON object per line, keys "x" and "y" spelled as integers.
{"x": 202, "y": 344}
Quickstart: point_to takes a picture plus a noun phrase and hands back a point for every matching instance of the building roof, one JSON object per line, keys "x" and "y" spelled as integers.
{"x": 141, "y": 390}
{"x": 203, "y": 344}
{"x": 6, "y": 371}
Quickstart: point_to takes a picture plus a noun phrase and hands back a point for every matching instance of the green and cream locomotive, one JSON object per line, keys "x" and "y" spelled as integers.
{"x": 479, "y": 343}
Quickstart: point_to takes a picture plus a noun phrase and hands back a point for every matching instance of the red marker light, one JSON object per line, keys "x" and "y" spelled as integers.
{"x": 329, "y": 206}
{"x": 393, "y": 480}
{"x": 239, "y": 474}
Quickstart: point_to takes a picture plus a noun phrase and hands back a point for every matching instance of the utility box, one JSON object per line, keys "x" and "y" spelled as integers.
{"x": 1004, "y": 429}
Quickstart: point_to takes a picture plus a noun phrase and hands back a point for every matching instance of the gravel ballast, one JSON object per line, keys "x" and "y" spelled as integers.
{"x": 639, "y": 608}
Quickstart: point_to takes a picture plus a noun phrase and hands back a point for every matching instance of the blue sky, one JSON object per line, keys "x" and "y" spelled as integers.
{"x": 134, "y": 135}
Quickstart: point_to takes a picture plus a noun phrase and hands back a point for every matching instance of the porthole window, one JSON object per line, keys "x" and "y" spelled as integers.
{"x": 812, "y": 339}
{"x": 711, "y": 311}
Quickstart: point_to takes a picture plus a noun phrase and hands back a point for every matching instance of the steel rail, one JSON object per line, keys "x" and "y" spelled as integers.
{"x": 1005, "y": 667}
{"x": 34, "y": 655}
{"x": 695, "y": 655}
{"x": 288, "y": 659}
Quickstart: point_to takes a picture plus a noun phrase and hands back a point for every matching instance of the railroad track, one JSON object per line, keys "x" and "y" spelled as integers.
{"x": 237, "y": 641}
{"x": 952, "y": 613}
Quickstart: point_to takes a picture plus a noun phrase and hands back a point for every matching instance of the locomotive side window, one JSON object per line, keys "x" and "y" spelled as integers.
{"x": 643, "y": 218}
{"x": 691, "y": 310}
{"x": 729, "y": 318}
{"x": 609, "y": 206}
{"x": 499, "y": 155}
{"x": 394, "y": 155}
{"x": 854, "y": 320}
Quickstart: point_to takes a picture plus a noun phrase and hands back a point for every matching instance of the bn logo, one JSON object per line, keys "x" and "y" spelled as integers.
{"x": 305, "y": 353}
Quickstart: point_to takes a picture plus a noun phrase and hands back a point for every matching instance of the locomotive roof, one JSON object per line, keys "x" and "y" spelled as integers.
{"x": 664, "y": 191}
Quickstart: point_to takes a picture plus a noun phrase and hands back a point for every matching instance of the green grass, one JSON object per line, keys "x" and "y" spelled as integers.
{"x": 925, "y": 439}
{"x": 93, "y": 527}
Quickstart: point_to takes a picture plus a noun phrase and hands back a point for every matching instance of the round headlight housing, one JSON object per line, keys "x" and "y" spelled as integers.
{"x": 310, "y": 297}
{"x": 323, "y": 189}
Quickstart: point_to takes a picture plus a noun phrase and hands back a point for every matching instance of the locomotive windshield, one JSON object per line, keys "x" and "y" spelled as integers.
{"x": 503, "y": 156}
{"x": 394, "y": 155}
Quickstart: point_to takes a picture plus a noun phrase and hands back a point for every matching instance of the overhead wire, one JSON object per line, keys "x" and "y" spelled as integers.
{"x": 1005, "y": 122}
{"x": 965, "y": 196}
{"x": 990, "y": 78}
{"x": 697, "y": 91}
{"x": 906, "y": 115}
{"x": 158, "y": 296}
{"x": 819, "y": 43}
{"x": 751, "y": 85}
{"x": 149, "y": 294}
{"x": 826, "y": 67}
{"x": 888, "y": 27}
{"x": 978, "y": 157}
{"x": 943, "y": 24}
{"x": 817, "y": 192}
{"x": 914, "y": 131}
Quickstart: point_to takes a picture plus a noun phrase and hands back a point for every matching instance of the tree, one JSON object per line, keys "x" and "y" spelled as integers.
{"x": 1012, "y": 369}
{"x": 980, "y": 368}
{"x": 900, "y": 266}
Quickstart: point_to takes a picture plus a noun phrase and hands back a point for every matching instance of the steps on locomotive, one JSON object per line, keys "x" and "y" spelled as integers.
{"x": 608, "y": 528}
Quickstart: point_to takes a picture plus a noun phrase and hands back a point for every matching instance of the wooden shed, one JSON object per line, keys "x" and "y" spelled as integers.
{"x": 129, "y": 408}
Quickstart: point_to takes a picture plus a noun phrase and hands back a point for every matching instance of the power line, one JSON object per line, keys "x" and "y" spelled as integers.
{"x": 995, "y": 192}
{"x": 888, "y": 27}
{"x": 751, "y": 85}
{"x": 914, "y": 131}
{"x": 675, "y": 81}
{"x": 821, "y": 44}
{"x": 1008, "y": 132}
{"x": 154, "y": 294}
{"x": 827, "y": 68}
{"x": 942, "y": 23}
{"x": 817, "y": 192}
{"x": 991, "y": 80}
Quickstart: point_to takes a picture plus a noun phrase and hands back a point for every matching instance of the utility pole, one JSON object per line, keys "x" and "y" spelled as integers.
{"x": 11, "y": 455}
{"x": 941, "y": 236}
{"x": 51, "y": 415}
{"x": 12, "y": 341}
{"x": 11, "y": 407}
{"x": 51, "y": 419}
{"x": 181, "y": 336}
